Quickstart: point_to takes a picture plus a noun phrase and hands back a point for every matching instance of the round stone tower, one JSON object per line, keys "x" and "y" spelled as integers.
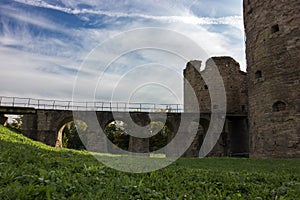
{"x": 272, "y": 30}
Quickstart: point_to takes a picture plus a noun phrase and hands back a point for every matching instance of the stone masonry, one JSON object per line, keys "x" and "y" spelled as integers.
{"x": 235, "y": 83}
{"x": 46, "y": 126}
{"x": 3, "y": 119}
{"x": 273, "y": 65}
{"x": 234, "y": 138}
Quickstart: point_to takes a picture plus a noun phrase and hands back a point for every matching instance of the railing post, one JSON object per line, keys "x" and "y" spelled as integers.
{"x": 177, "y": 108}
{"x": 140, "y": 107}
{"x": 86, "y": 106}
{"x": 13, "y": 103}
{"x": 28, "y": 102}
{"x": 110, "y": 106}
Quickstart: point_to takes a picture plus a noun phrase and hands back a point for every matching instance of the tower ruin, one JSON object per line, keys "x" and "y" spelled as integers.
{"x": 234, "y": 139}
{"x": 273, "y": 66}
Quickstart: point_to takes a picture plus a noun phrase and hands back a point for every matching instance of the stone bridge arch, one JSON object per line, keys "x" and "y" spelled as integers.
{"x": 136, "y": 144}
{"x": 44, "y": 125}
{"x": 60, "y": 129}
{"x": 62, "y": 124}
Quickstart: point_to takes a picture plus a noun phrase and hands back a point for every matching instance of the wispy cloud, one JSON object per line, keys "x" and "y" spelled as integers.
{"x": 30, "y": 18}
{"x": 189, "y": 19}
{"x": 41, "y": 54}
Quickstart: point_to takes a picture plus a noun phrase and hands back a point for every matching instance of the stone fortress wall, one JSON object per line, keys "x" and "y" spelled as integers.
{"x": 272, "y": 30}
{"x": 235, "y": 83}
{"x": 234, "y": 137}
{"x": 270, "y": 91}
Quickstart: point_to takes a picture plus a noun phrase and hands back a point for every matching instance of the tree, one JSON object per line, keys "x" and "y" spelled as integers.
{"x": 71, "y": 137}
{"x": 16, "y": 124}
{"x": 159, "y": 135}
{"x": 116, "y": 132}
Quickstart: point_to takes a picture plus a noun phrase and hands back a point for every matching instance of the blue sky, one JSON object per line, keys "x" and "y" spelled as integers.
{"x": 43, "y": 45}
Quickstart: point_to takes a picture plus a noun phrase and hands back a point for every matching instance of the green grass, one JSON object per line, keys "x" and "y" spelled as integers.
{"x": 32, "y": 170}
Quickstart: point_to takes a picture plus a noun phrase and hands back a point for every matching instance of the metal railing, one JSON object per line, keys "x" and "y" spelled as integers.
{"x": 88, "y": 105}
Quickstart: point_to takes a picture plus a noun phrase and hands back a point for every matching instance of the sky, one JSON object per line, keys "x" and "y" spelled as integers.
{"x": 110, "y": 50}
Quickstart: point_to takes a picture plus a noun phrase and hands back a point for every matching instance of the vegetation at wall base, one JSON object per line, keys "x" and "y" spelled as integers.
{"x": 16, "y": 124}
{"x": 32, "y": 170}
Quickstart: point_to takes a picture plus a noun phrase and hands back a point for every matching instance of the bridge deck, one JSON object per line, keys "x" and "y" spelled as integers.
{"x": 15, "y": 105}
{"x": 17, "y": 110}
{"x": 88, "y": 105}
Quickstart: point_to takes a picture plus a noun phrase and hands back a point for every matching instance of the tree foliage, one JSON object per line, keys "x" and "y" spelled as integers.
{"x": 159, "y": 135}
{"x": 16, "y": 124}
{"x": 71, "y": 137}
{"x": 117, "y": 133}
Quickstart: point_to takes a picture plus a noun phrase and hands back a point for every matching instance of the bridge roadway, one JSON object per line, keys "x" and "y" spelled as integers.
{"x": 30, "y": 103}
{"x": 44, "y": 120}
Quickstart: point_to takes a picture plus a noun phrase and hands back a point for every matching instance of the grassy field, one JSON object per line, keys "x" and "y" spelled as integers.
{"x": 31, "y": 170}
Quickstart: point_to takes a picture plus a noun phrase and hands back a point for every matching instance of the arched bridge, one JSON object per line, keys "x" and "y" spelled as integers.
{"x": 43, "y": 120}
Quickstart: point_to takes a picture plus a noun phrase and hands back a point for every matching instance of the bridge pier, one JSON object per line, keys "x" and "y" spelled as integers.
{"x": 29, "y": 126}
{"x": 140, "y": 120}
{"x": 138, "y": 145}
{"x": 193, "y": 150}
{"x": 180, "y": 141}
{"x": 3, "y": 119}
{"x": 96, "y": 141}
{"x": 45, "y": 124}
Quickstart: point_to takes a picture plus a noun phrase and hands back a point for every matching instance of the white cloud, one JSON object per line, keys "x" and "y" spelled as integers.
{"x": 30, "y": 18}
{"x": 44, "y": 65}
{"x": 22, "y": 77}
{"x": 188, "y": 19}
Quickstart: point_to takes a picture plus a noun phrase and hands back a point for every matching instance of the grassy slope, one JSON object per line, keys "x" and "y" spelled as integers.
{"x": 31, "y": 170}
